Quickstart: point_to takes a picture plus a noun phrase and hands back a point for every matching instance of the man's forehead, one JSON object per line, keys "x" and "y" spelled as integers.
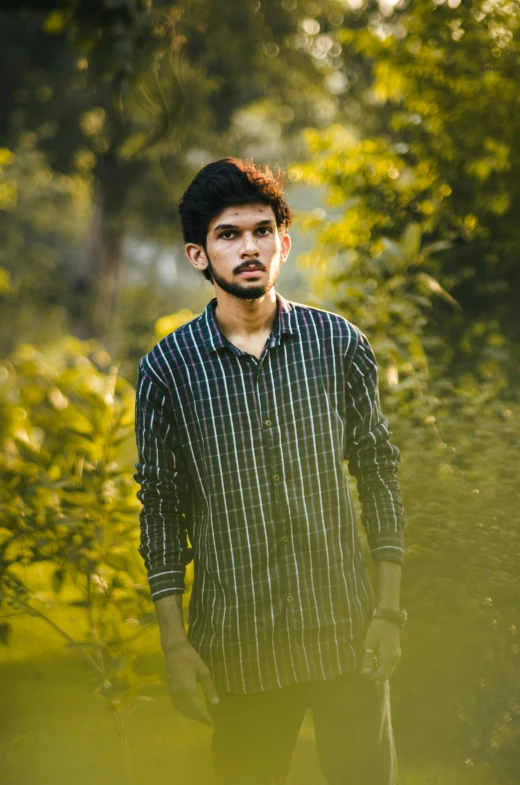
{"x": 243, "y": 212}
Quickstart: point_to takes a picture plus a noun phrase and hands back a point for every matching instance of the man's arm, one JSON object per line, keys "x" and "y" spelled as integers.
{"x": 382, "y": 640}
{"x": 163, "y": 546}
{"x": 184, "y": 667}
{"x": 164, "y": 488}
{"x": 374, "y": 461}
{"x": 388, "y": 584}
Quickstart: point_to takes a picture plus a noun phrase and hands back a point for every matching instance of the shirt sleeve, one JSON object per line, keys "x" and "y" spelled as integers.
{"x": 164, "y": 490}
{"x": 372, "y": 459}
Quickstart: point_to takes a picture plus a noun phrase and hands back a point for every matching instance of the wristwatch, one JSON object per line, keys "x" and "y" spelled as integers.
{"x": 396, "y": 617}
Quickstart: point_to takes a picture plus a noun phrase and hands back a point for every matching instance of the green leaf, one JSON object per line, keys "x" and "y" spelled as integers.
{"x": 58, "y": 579}
{"x": 5, "y": 632}
{"x": 435, "y": 287}
{"x": 411, "y": 240}
{"x": 5, "y": 534}
{"x": 116, "y": 560}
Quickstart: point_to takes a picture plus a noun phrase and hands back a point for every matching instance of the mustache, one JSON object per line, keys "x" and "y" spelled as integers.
{"x": 248, "y": 265}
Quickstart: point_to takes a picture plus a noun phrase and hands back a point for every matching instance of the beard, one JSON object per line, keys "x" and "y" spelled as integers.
{"x": 237, "y": 289}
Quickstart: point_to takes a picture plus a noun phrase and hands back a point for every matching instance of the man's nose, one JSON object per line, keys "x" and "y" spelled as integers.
{"x": 249, "y": 245}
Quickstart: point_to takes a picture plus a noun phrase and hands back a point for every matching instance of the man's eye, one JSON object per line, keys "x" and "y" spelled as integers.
{"x": 227, "y": 235}
{"x": 264, "y": 230}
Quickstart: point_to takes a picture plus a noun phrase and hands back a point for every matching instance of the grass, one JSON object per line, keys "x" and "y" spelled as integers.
{"x": 56, "y": 730}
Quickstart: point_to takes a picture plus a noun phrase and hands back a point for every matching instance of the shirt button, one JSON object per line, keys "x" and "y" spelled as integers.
{"x": 290, "y": 598}
{"x": 285, "y": 539}
{"x": 268, "y": 423}
{"x": 276, "y": 477}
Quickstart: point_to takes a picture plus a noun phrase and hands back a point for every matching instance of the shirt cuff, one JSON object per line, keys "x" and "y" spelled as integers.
{"x": 387, "y": 546}
{"x": 164, "y": 581}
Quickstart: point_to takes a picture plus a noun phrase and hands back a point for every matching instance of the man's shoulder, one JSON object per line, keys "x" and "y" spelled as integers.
{"x": 327, "y": 323}
{"x": 172, "y": 352}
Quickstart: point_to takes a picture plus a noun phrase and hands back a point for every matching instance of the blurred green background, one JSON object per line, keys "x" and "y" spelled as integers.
{"x": 397, "y": 123}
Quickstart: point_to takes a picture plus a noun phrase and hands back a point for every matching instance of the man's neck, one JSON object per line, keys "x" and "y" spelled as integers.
{"x": 245, "y": 319}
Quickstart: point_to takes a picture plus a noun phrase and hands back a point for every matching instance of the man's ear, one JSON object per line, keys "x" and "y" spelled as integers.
{"x": 285, "y": 243}
{"x": 197, "y": 256}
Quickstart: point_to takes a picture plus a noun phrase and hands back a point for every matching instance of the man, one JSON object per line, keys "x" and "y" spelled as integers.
{"x": 244, "y": 418}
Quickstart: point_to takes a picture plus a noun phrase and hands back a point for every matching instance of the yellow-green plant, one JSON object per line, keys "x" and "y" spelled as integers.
{"x": 68, "y": 502}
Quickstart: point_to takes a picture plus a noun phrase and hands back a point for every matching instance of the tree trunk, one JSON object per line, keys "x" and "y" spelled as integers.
{"x": 105, "y": 259}
{"x": 105, "y": 267}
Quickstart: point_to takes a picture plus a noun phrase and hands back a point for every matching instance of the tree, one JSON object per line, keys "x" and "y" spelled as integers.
{"x": 429, "y": 136}
{"x": 102, "y": 89}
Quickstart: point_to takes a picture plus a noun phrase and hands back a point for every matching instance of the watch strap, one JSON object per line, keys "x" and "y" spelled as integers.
{"x": 395, "y": 617}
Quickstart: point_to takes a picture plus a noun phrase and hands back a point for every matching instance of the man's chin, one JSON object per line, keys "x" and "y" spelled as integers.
{"x": 251, "y": 293}
{"x": 244, "y": 292}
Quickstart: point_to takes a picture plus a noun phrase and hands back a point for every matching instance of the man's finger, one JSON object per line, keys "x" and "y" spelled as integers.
{"x": 368, "y": 663}
{"x": 191, "y": 708}
{"x": 385, "y": 667}
{"x": 187, "y": 703}
{"x": 208, "y": 687}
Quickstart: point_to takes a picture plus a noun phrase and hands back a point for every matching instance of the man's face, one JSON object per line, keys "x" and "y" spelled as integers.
{"x": 244, "y": 251}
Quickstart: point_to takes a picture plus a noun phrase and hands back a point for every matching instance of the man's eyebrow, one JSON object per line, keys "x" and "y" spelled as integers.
{"x": 227, "y": 227}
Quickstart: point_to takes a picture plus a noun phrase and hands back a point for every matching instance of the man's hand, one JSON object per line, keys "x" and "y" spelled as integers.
{"x": 382, "y": 650}
{"x": 184, "y": 668}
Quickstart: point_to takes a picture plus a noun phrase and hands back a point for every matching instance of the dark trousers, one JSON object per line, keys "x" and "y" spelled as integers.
{"x": 255, "y": 734}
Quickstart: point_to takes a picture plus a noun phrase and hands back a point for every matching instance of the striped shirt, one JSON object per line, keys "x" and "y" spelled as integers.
{"x": 245, "y": 457}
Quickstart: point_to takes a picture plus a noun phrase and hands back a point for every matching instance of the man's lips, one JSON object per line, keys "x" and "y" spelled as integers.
{"x": 250, "y": 272}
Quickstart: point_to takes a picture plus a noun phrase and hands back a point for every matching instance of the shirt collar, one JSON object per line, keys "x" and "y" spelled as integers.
{"x": 215, "y": 340}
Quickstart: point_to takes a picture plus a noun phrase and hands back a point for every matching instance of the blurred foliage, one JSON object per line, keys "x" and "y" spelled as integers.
{"x": 429, "y": 136}
{"x": 459, "y": 686}
{"x": 389, "y": 296}
{"x": 168, "y": 324}
{"x": 44, "y": 223}
{"x": 68, "y": 501}
{"x": 133, "y": 97}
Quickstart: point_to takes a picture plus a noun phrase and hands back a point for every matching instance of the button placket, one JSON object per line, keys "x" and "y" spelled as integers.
{"x": 269, "y": 427}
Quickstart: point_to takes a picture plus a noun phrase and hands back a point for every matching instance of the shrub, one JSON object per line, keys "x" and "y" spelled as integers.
{"x": 68, "y": 502}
